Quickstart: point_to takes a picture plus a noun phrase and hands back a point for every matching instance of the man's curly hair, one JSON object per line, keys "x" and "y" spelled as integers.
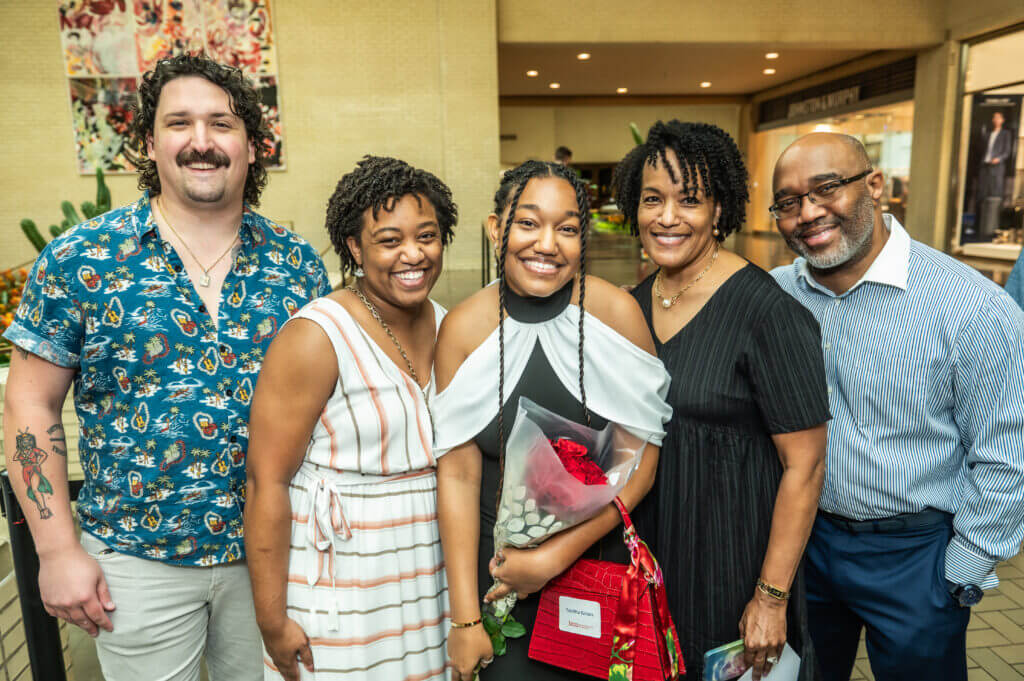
{"x": 378, "y": 183}
{"x": 707, "y": 156}
{"x": 245, "y": 103}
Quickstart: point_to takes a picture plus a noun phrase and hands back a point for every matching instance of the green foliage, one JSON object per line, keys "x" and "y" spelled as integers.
{"x": 638, "y": 139}
{"x": 500, "y": 629}
{"x": 71, "y": 216}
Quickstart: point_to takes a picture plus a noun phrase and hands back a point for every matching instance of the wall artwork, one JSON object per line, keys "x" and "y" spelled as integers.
{"x": 108, "y": 45}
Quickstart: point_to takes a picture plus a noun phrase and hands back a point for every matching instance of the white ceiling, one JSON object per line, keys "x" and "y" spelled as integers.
{"x": 655, "y": 69}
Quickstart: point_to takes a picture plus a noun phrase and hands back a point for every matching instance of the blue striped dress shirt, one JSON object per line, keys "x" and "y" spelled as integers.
{"x": 924, "y": 359}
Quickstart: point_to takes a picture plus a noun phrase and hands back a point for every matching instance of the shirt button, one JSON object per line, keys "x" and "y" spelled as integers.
{"x": 233, "y": 438}
{"x": 177, "y": 268}
{"x": 828, "y": 346}
{"x": 830, "y": 390}
{"x": 202, "y": 308}
{"x": 837, "y": 302}
{"x": 229, "y": 392}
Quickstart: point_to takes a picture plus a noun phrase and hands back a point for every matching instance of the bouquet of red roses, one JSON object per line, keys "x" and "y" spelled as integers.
{"x": 558, "y": 474}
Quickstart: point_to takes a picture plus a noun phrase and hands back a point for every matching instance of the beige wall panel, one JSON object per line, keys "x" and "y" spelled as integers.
{"x": 868, "y": 24}
{"x": 968, "y": 18}
{"x": 417, "y": 80}
{"x": 596, "y": 134}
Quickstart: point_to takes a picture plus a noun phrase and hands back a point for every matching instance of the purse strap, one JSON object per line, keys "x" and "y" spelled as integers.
{"x": 643, "y": 574}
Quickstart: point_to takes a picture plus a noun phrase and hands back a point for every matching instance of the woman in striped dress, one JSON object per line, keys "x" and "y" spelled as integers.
{"x": 341, "y": 523}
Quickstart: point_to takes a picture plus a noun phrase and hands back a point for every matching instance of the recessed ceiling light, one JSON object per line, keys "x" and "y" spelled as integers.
{"x": 706, "y": 83}
{"x": 772, "y": 55}
{"x": 532, "y": 73}
{"x": 583, "y": 56}
{"x": 622, "y": 90}
{"x": 769, "y": 72}
{"x": 554, "y": 86}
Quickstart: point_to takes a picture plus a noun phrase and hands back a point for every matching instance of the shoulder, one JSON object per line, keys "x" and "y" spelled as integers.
{"x": 99, "y": 232}
{"x": 955, "y": 289}
{"x": 469, "y": 323}
{"x": 617, "y": 309}
{"x": 786, "y": 275}
{"x": 266, "y": 231}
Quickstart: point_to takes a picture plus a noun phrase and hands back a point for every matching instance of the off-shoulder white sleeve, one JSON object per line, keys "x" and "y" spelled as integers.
{"x": 624, "y": 383}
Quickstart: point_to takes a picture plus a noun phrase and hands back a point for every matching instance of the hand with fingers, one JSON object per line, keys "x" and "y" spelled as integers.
{"x": 287, "y": 646}
{"x": 763, "y": 628}
{"x": 73, "y": 588}
{"x": 524, "y": 571}
{"x": 469, "y": 651}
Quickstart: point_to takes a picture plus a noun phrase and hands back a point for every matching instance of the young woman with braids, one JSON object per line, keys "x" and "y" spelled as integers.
{"x": 340, "y": 523}
{"x": 572, "y": 343}
{"x": 744, "y": 459}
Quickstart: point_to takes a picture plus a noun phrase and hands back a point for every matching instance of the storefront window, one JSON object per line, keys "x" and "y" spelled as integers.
{"x": 990, "y": 215}
{"x": 886, "y": 132}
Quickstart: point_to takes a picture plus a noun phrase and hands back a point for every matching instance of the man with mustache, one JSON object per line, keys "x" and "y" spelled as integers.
{"x": 924, "y": 358}
{"x": 162, "y": 346}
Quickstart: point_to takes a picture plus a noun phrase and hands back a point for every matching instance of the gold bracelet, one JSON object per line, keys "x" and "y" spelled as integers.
{"x": 465, "y": 625}
{"x": 773, "y": 591}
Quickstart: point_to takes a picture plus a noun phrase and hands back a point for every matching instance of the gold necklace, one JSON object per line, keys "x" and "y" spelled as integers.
{"x": 669, "y": 302}
{"x": 204, "y": 281}
{"x": 387, "y": 329}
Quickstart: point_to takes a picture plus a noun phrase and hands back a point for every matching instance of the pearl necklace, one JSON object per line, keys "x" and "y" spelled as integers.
{"x": 669, "y": 302}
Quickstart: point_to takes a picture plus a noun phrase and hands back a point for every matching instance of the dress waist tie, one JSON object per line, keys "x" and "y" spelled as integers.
{"x": 325, "y": 526}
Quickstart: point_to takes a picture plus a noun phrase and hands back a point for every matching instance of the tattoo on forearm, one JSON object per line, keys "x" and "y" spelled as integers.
{"x": 31, "y": 459}
{"x": 57, "y": 441}
{"x": 22, "y": 352}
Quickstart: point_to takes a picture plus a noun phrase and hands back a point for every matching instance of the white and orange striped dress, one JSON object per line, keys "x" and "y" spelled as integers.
{"x": 366, "y": 574}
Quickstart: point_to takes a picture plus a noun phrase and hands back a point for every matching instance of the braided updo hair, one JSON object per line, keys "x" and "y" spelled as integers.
{"x": 513, "y": 182}
{"x": 707, "y": 156}
{"x": 378, "y": 183}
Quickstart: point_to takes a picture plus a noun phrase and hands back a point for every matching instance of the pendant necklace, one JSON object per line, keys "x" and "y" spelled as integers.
{"x": 204, "y": 280}
{"x": 394, "y": 339}
{"x": 669, "y": 302}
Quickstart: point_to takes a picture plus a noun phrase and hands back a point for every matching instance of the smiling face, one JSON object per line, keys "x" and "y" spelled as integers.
{"x": 837, "y": 233}
{"x": 675, "y": 222}
{"x": 400, "y": 251}
{"x": 200, "y": 147}
{"x": 544, "y": 244}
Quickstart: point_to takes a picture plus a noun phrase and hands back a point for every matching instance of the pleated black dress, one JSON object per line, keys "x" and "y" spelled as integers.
{"x": 747, "y": 366}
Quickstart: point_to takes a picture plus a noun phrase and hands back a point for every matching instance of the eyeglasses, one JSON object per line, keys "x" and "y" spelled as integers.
{"x": 822, "y": 195}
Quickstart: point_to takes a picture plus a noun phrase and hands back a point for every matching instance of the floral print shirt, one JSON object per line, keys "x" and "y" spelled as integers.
{"x": 162, "y": 393}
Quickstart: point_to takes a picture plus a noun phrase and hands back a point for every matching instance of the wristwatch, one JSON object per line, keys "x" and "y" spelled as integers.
{"x": 967, "y": 595}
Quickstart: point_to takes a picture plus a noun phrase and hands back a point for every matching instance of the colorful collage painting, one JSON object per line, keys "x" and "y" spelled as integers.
{"x": 109, "y": 44}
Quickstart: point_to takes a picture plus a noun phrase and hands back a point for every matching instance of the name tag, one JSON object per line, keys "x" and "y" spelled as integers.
{"x": 577, "y": 616}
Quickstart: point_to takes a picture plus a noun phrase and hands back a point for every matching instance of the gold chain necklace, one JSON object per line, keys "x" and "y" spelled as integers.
{"x": 669, "y": 302}
{"x": 204, "y": 281}
{"x": 387, "y": 329}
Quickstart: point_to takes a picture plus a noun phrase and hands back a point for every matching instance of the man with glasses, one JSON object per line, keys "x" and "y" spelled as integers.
{"x": 924, "y": 357}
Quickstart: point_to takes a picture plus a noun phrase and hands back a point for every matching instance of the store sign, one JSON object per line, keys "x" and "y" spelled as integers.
{"x": 824, "y": 103}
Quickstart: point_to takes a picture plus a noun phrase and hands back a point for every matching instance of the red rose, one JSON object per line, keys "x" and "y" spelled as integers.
{"x": 577, "y": 462}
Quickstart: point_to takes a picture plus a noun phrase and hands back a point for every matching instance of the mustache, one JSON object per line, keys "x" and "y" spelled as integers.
{"x": 211, "y": 156}
{"x": 817, "y": 224}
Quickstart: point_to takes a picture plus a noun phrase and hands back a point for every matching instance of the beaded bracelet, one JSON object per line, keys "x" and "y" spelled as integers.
{"x": 465, "y": 625}
{"x": 773, "y": 591}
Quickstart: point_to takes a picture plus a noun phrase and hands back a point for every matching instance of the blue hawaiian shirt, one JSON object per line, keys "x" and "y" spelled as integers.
{"x": 162, "y": 393}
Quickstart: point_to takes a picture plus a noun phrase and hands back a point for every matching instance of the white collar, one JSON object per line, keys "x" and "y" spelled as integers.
{"x": 890, "y": 265}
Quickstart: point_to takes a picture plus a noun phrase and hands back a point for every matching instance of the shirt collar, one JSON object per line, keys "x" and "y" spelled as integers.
{"x": 142, "y": 219}
{"x": 890, "y": 266}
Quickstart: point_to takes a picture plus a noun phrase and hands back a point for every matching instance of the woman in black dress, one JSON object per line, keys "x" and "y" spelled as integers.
{"x": 744, "y": 458}
{"x": 553, "y": 351}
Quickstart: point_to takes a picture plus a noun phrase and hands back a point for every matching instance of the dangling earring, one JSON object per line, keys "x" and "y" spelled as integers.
{"x": 716, "y": 232}
{"x": 359, "y": 273}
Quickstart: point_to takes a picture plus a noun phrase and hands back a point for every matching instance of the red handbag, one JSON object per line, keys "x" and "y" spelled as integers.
{"x": 609, "y": 620}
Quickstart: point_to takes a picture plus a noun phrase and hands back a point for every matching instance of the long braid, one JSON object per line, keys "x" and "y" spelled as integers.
{"x": 502, "y": 291}
{"x": 582, "y": 201}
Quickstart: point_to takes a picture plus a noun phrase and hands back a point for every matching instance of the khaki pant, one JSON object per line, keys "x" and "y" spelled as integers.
{"x": 167, "y": 617}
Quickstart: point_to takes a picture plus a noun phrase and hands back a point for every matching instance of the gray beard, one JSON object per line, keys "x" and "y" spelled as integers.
{"x": 854, "y": 239}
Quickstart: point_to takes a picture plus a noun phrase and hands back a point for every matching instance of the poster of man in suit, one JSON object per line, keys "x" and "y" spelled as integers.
{"x": 991, "y": 163}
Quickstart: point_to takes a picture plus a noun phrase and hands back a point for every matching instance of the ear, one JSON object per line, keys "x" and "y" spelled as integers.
{"x": 494, "y": 229}
{"x": 149, "y": 147}
{"x": 252, "y": 152}
{"x": 718, "y": 213}
{"x": 355, "y": 249}
{"x": 876, "y": 185}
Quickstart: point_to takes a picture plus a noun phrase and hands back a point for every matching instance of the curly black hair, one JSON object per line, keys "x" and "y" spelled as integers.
{"x": 378, "y": 182}
{"x": 704, "y": 151}
{"x": 245, "y": 103}
{"x": 513, "y": 182}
